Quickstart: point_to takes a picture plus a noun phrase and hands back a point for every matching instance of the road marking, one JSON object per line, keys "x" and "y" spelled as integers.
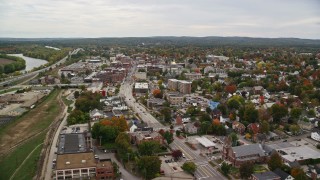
{"x": 204, "y": 171}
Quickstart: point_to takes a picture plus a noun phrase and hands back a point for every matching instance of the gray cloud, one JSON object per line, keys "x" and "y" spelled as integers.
{"x": 111, "y": 18}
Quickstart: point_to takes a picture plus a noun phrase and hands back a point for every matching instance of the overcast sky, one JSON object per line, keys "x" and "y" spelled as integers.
{"x": 132, "y": 18}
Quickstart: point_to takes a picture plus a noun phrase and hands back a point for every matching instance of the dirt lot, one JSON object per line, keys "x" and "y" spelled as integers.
{"x": 5, "y": 61}
{"x": 33, "y": 122}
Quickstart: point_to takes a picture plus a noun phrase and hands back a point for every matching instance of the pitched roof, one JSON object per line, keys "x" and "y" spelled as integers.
{"x": 247, "y": 150}
{"x": 266, "y": 175}
{"x": 283, "y": 175}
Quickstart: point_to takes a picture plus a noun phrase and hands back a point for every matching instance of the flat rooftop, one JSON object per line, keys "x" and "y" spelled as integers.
{"x": 205, "y": 142}
{"x": 299, "y": 153}
{"x": 141, "y": 85}
{"x": 71, "y": 143}
{"x": 78, "y": 160}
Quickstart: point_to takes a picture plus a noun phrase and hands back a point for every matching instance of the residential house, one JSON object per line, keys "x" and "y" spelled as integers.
{"x": 257, "y": 89}
{"x": 269, "y": 175}
{"x": 283, "y": 175}
{"x": 238, "y": 127}
{"x": 314, "y": 172}
{"x": 132, "y": 127}
{"x": 96, "y": 115}
{"x": 143, "y": 136}
{"x": 190, "y": 128}
{"x": 155, "y": 102}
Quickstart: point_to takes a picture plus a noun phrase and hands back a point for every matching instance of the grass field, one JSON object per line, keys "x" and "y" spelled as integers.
{"x": 5, "y": 61}
{"x": 12, "y": 161}
{"x": 31, "y": 123}
{"x": 8, "y": 90}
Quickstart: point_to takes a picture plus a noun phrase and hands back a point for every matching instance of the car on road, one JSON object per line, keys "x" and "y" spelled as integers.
{"x": 183, "y": 155}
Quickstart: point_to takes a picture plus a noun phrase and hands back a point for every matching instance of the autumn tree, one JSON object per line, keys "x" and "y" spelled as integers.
{"x": 295, "y": 113}
{"x": 278, "y": 112}
{"x": 246, "y": 169}
{"x": 123, "y": 145}
{"x": 189, "y": 167}
{"x": 231, "y": 89}
{"x": 78, "y": 117}
{"x": 275, "y": 161}
{"x": 168, "y": 136}
{"x": 107, "y": 134}
{"x": 234, "y": 139}
{"x": 298, "y": 173}
{"x": 149, "y": 166}
{"x": 120, "y": 122}
{"x": 251, "y": 114}
{"x": 176, "y": 154}
{"x": 148, "y": 148}
{"x": 225, "y": 168}
{"x": 265, "y": 127}
{"x": 157, "y": 93}
{"x": 166, "y": 112}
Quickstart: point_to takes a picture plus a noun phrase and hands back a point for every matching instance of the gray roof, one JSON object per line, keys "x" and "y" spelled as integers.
{"x": 71, "y": 143}
{"x": 266, "y": 175}
{"x": 247, "y": 150}
{"x": 283, "y": 175}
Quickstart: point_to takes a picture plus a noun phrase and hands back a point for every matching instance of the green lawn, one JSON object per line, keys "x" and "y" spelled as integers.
{"x": 259, "y": 168}
{"x": 41, "y": 116}
{"x": 28, "y": 169}
{"x": 8, "y": 90}
{"x": 66, "y": 101}
{"x": 11, "y": 162}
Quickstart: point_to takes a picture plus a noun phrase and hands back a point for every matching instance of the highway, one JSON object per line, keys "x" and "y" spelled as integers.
{"x": 34, "y": 73}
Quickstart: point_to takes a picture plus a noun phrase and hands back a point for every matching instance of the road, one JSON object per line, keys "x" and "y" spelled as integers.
{"x": 126, "y": 93}
{"x": 124, "y": 173}
{"x": 48, "y": 173}
{"x": 34, "y": 73}
{"x": 204, "y": 169}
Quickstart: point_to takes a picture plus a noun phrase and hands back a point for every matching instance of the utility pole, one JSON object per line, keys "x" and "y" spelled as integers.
{"x": 100, "y": 139}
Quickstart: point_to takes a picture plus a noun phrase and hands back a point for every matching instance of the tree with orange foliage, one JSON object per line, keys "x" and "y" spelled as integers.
{"x": 157, "y": 93}
{"x": 216, "y": 122}
{"x": 231, "y": 88}
{"x": 298, "y": 173}
{"x": 106, "y": 122}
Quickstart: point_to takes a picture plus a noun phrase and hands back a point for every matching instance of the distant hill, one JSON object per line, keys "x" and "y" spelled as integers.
{"x": 173, "y": 40}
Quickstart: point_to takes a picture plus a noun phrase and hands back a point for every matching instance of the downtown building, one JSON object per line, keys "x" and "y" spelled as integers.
{"x": 182, "y": 86}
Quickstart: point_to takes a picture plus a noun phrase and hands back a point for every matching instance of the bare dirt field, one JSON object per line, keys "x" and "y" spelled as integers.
{"x": 32, "y": 123}
{"x": 5, "y": 61}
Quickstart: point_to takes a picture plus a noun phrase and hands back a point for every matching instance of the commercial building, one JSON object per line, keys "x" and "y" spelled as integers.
{"x": 184, "y": 87}
{"x": 83, "y": 166}
{"x": 193, "y": 76}
{"x": 75, "y": 142}
{"x": 173, "y": 84}
{"x": 253, "y": 153}
{"x": 141, "y": 87}
{"x": 175, "y": 98}
{"x": 76, "y": 166}
{"x": 104, "y": 169}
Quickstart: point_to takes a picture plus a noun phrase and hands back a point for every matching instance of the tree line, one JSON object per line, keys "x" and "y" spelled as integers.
{"x": 17, "y": 64}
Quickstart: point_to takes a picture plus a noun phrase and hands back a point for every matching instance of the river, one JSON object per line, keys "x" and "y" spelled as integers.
{"x": 30, "y": 62}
